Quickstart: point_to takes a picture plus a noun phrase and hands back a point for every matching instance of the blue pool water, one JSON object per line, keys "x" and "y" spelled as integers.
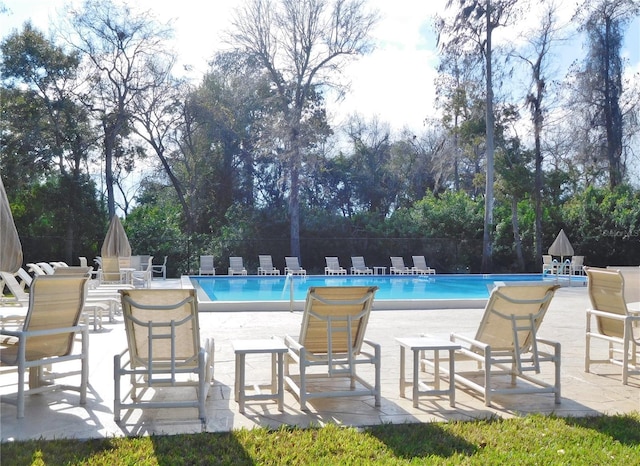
{"x": 391, "y": 287}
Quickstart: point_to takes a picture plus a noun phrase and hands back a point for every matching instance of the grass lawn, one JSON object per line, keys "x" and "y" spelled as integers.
{"x": 533, "y": 439}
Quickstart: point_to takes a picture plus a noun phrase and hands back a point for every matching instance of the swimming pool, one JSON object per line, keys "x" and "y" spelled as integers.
{"x": 395, "y": 291}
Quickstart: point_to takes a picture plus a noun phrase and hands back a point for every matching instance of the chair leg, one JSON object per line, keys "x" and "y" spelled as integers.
{"x": 557, "y": 360}
{"x": 303, "y": 381}
{"x": 116, "y": 388}
{"x": 202, "y": 386}
{"x": 84, "y": 370}
{"x": 487, "y": 377}
{"x": 378, "y": 361}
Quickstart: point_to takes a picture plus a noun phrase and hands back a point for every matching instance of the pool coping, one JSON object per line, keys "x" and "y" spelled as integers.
{"x": 206, "y": 305}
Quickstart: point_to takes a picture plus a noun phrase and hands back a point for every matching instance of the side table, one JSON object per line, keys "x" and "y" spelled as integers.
{"x": 420, "y": 345}
{"x": 377, "y": 270}
{"x": 277, "y": 349}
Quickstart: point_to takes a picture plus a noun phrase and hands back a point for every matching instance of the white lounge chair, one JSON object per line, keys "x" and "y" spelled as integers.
{"x": 160, "y": 268}
{"x": 110, "y": 272}
{"x": 236, "y": 266}
{"x": 143, "y": 278}
{"x": 47, "y": 336}
{"x": 266, "y": 266}
{"x": 293, "y": 266}
{"x": 506, "y": 350}
{"x": 46, "y": 267}
{"x": 163, "y": 351}
{"x": 331, "y": 337}
{"x": 35, "y": 269}
{"x": 615, "y": 324}
{"x": 206, "y": 266}
{"x": 576, "y": 267}
{"x": 19, "y": 295}
{"x": 358, "y": 266}
{"x": 398, "y": 267}
{"x": 333, "y": 267}
{"x": 420, "y": 266}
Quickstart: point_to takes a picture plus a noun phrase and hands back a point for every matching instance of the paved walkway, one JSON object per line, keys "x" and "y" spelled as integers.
{"x": 57, "y": 414}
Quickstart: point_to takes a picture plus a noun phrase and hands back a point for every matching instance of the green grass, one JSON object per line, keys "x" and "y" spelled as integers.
{"x": 534, "y": 439}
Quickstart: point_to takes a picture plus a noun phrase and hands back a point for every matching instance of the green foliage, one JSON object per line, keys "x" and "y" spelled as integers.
{"x": 604, "y": 225}
{"x": 53, "y": 215}
{"x": 157, "y": 230}
{"x": 451, "y": 215}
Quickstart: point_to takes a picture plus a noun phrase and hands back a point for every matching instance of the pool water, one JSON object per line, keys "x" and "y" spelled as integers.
{"x": 391, "y": 287}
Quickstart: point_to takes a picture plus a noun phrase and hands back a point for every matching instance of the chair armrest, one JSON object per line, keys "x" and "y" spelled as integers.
{"x": 608, "y": 315}
{"x": 51, "y": 331}
{"x": 478, "y": 344}
{"x": 371, "y": 344}
{"x": 292, "y": 344}
{"x": 544, "y": 341}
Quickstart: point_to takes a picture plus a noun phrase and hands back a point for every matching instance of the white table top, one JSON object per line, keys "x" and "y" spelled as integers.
{"x": 265, "y": 345}
{"x": 427, "y": 343}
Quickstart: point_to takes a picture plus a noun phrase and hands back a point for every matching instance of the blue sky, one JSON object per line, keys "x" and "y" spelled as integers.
{"x": 395, "y": 82}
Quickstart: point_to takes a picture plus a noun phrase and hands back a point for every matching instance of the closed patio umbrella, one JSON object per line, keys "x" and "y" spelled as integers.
{"x": 10, "y": 247}
{"x": 561, "y": 246}
{"x": 116, "y": 243}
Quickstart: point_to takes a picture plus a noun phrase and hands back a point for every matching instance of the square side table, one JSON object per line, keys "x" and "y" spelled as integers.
{"x": 277, "y": 349}
{"x": 420, "y": 345}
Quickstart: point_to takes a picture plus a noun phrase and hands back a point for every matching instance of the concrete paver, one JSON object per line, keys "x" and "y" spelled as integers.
{"x": 57, "y": 414}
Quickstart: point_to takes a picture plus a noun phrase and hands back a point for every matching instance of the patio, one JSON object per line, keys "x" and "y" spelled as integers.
{"x": 58, "y": 415}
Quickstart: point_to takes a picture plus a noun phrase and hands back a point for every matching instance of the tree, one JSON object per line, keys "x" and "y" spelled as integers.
{"x": 125, "y": 49}
{"x": 302, "y": 45}
{"x": 474, "y": 25}
{"x": 601, "y": 83}
{"x": 45, "y": 129}
{"x": 540, "y": 43}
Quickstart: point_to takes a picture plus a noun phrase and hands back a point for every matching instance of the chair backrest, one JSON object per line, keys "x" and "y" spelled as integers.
{"x": 46, "y": 267}
{"x": 397, "y": 263}
{"x": 55, "y": 301}
{"x": 577, "y": 261}
{"x": 162, "y": 327}
{"x": 135, "y": 263}
{"x": 419, "y": 262}
{"x": 606, "y": 292}
{"x": 73, "y": 270}
{"x": 236, "y": 263}
{"x": 14, "y": 286}
{"x": 144, "y": 261}
{"x": 111, "y": 269}
{"x": 83, "y": 261}
{"x": 547, "y": 259}
{"x": 357, "y": 262}
{"x": 292, "y": 263}
{"x": 25, "y": 277}
{"x": 631, "y": 275}
{"x": 335, "y": 318}
{"x": 124, "y": 261}
{"x": 333, "y": 263}
{"x": 36, "y": 269}
{"x": 206, "y": 262}
{"x": 513, "y": 315}
{"x": 266, "y": 262}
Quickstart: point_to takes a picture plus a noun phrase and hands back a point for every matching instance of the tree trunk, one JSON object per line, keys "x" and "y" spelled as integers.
{"x": 294, "y": 203}
{"x": 108, "y": 171}
{"x": 487, "y": 237}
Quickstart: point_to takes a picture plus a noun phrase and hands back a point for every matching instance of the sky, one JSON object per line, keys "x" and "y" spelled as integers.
{"x": 394, "y": 83}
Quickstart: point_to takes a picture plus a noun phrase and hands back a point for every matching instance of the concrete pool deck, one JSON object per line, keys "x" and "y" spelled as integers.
{"x": 58, "y": 415}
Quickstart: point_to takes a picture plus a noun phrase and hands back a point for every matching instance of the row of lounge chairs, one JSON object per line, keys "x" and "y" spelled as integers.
{"x": 333, "y": 267}
{"x": 164, "y": 348}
